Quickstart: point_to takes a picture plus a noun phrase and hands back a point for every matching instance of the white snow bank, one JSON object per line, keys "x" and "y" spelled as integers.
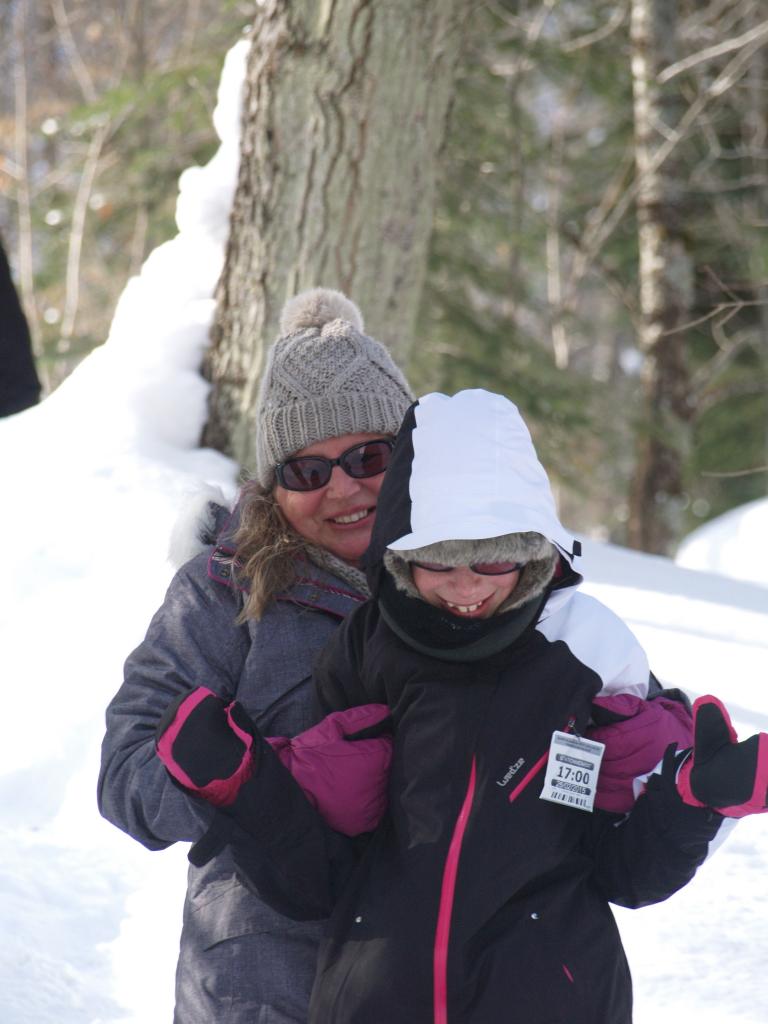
{"x": 95, "y": 478}
{"x": 733, "y": 545}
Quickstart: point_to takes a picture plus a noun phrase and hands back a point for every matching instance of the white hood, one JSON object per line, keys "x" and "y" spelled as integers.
{"x": 475, "y": 474}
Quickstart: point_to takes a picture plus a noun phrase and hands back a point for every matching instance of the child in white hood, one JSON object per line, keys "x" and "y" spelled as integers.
{"x": 484, "y": 893}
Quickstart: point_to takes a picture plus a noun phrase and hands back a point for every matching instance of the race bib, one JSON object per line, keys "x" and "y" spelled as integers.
{"x": 572, "y": 770}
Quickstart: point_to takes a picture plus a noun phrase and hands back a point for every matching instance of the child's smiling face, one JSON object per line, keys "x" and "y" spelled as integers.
{"x": 462, "y": 592}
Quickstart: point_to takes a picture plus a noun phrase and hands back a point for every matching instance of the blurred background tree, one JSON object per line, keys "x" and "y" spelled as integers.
{"x": 598, "y": 249}
{"x": 102, "y": 105}
{"x": 527, "y": 291}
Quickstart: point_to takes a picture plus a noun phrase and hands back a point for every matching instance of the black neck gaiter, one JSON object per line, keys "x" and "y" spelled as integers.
{"x": 439, "y": 634}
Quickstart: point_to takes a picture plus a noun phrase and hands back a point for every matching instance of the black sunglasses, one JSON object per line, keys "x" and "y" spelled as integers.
{"x": 310, "y": 472}
{"x": 481, "y": 568}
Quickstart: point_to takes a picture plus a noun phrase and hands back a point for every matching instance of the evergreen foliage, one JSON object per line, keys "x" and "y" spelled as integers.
{"x": 525, "y": 294}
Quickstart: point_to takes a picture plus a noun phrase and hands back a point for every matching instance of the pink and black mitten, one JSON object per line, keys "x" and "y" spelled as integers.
{"x": 278, "y": 840}
{"x": 728, "y": 776}
{"x": 206, "y": 744}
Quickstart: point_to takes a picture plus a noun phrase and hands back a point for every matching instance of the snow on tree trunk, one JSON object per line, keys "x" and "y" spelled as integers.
{"x": 345, "y": 108}
{"x": 666, "y": 284}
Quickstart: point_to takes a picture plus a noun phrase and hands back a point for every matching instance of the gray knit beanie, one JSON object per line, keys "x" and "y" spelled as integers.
{"x": 324, "y": 378}
{"x": 539, "y": 558}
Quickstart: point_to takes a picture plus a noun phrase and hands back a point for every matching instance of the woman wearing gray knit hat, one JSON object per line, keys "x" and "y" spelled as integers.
{"x": 245, "y": 618}
{"x": 328, "y": 392}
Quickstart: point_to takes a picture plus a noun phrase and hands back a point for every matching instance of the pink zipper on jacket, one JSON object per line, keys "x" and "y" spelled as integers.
{"x": 443, "y": 930}
{"x": 448, "y": 888}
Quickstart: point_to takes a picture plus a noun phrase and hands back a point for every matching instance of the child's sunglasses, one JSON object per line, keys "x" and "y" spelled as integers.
{"x": 481, "y": 568}
{"x": 311, "y": 472}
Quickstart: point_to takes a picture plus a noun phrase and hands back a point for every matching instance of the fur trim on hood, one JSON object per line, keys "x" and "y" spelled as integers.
{"x": 198, "y": 524}
{"x": 538, "y": 555}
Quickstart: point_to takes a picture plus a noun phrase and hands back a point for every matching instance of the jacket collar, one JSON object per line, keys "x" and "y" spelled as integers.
{"x": 317, "y": 588}
{"x": 313, "y": 588}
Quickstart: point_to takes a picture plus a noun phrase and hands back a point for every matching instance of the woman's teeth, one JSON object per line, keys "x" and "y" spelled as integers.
{"x": 353, "y": 518}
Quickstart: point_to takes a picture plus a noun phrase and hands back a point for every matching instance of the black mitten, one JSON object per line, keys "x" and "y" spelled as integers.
{"x": 729, "y": 776}
{"x": 206, "y": 744}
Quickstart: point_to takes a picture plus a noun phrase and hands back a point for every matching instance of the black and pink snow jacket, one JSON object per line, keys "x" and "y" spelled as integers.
{"x": 475, "y": 901}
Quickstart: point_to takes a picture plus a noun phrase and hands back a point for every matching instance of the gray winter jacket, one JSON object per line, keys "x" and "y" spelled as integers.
{"x": 240, "y": 961}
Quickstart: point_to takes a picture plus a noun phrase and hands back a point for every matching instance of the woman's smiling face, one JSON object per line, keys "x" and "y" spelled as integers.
{"x": 464, "y": 593}
{"x": 338, "y": 517}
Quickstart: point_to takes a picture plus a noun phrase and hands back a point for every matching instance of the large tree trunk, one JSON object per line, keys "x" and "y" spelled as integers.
{"x": 666, "y": 285}
{"x": 345, "y": 107}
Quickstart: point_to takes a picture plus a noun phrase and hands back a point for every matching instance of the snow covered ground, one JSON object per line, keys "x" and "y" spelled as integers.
{"x": 94, "y": 479}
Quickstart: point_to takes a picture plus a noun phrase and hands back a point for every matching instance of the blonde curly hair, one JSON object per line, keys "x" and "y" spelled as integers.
{"x": 265, "y": 550}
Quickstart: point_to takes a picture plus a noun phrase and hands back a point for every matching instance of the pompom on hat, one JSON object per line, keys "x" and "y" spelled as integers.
{"x": 316, "y": 308}
{"x": 324, "y": 377}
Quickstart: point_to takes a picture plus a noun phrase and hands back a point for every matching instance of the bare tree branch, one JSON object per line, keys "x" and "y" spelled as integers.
{"x": 77, "y": 63}
{"x": 734, "y": 472}
{"x": 748, "y": 181}
{"x": 756, "y": 37}
{"x": 529, "y": 34}
{"x": 191, "y": 22}
{"x": 552, "y": 258}
{"x": 615, "y": 22}
{"x": 728, "y": 308}
{"x": 725, "y": 288}
{"x": 717, "y": 397}
{"x": 603, "y": 229}
{"x": 11, "y": 168}
{"x": 729, "y": 348}
{"x": 138, "y": 239}
{"x": 591, "y": 242}
{"x": 77, "y": 230}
